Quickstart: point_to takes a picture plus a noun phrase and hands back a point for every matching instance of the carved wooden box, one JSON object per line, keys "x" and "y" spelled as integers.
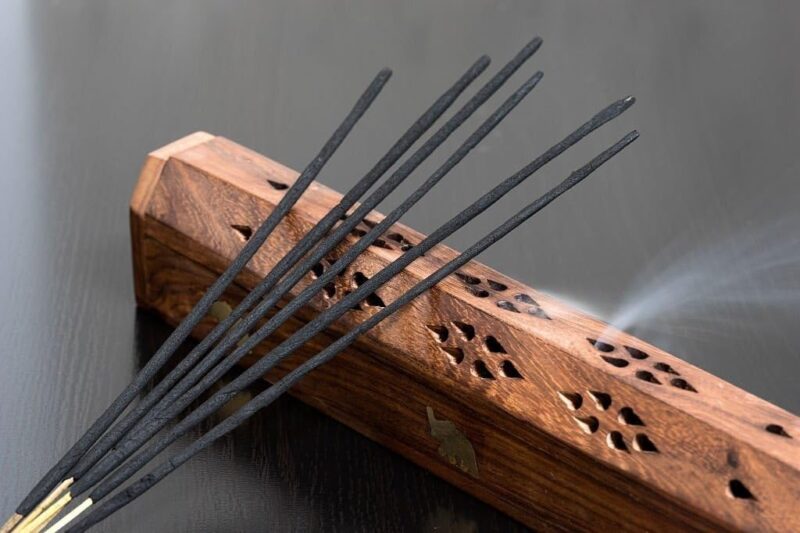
{"x": 495, "y": 387}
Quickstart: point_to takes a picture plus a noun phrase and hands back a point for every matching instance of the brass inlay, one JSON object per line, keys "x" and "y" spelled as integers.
{"x": 221, "y": 310}
{"x": 453, "y": 444}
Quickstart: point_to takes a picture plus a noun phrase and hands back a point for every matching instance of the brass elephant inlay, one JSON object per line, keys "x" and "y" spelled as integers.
{"x": 453, "y": 444}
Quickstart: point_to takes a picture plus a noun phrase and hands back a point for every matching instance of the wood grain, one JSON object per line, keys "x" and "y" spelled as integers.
{"x": 567, "y": 432}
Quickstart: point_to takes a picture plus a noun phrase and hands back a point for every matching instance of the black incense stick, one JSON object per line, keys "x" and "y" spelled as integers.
{"x": 152, "y": 423}
{"x": 482, "y": 95}
{"x": 328, "y": 316}
{"x": 268, "y": 396}
{"x": 404, "y": 171}
{"x": 317, "y": 233}
{"x": 56, "y": 474}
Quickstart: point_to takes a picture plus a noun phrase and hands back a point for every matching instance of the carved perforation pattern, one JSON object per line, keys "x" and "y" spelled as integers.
{"x": 242, "y": 223}
{"x": 641, "y": 365}
{"x": 658, "y": 373}
{"x": 394, "y": 240}
{"x": 595, "y": 413}
{"x": 245, "y": 231}
{"x": 458, "y": 342}
{"x": 463, "y": 346}
{"x": 621, "y": 427}
{"x": 504, "y": 297}
{"x": 391, "y": 240}
{"x": 346, "y": 282}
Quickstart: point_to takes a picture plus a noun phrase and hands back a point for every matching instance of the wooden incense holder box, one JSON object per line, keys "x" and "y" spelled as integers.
{"x": 495, "y": 387}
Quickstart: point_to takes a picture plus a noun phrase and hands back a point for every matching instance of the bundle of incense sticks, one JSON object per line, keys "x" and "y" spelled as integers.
{"x": 103, "y": 458}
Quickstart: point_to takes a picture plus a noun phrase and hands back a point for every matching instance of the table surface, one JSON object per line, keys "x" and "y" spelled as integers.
{"x": 689, "y": 239}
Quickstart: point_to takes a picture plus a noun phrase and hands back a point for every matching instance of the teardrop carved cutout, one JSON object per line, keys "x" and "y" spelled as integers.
{"x": 642, "y": 443}
{"x": 496, "y": 285}
{"x": 507, "y": 369}
{"x": 681, "y": 383}
{"x": 317, "y": 270}
{"x": 636, "y": 353}
{"x": 454, "y": 355}
{"x": 374, "y": 300}
{"x": 468, "y": 279}
{"x": 615, "y": 361}
{"x": 245, "y": 232}
{"x": 664, "y": 367}
{"x": 477, "y": 291}
{"x": 538, "y": 312}
{"x": 329, "y": 290}
{"x": 588, "y": 424}
{"x": 629, "y": 417}
{"x": 572, "y": 400}
{"x": 508, "y": 306}
{"x": 525, "y": 299}
{"x": 648, "y": 376}
{"x": 277, "y": 185}
{"x": 493, "y": 345}
{"x": 601, "y": 346}
{"x": 440, "y": 333}
{"x": 615, "y": 441}
{"x": 602, "y": 400}
{"x": 738, "y": 490}
{"x": 482, "y": 371}
{"x": 467, "y": 330}
{"x": 775, "y": 429}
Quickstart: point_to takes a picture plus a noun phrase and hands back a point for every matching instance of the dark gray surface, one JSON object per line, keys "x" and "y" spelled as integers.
{"x": 689, "y": 239}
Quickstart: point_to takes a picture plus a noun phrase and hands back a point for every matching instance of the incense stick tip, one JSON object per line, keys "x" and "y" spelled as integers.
{"x": 626, "y": 102}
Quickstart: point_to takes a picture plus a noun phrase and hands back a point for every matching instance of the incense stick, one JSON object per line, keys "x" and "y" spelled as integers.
{"x": 24, "y": 522}
{"x": 11, "y": 523}
{"x": 325, "y": 318}
{"x": 69, "y": 517}
{"x": 406, "y": 169}
{"x": 317, "y": 233}
{"x": 484, "y": 94}
{"x": 38, "y": 523}
{"x": 152, "y": 423}
{"x": 57, "y": 472}
{"x": 340, "y": 233}
{"x": 343, "y": 230}
{"x": 268, "y": 396}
